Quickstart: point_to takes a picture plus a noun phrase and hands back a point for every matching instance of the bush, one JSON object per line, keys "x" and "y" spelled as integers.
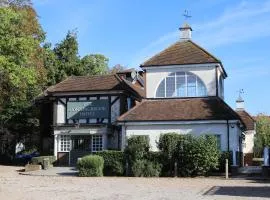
{"x": 222, "y": 160}
{"x": 91, "y": 165}
{"x": 146, "y": 168}
{"x": 39, "y": 160}
{"x": 194, "y": 155}
{"x": 137, "y": 147}
{"x": 114, "y": 162}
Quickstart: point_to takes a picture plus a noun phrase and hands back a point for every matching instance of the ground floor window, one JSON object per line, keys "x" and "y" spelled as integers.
{"x": 218, "y": 141}
{"x": 92, "y": 143}
{"x": 97, "y": 144}
{"x": 64, "y": 143}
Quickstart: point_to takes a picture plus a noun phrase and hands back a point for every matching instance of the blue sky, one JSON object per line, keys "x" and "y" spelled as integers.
{"x": 130, "y": 31}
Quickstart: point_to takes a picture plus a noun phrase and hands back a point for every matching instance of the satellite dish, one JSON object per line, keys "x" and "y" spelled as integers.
{"x": 133, "y": 74}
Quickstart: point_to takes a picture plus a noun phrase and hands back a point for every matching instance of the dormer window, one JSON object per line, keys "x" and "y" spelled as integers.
{"x": 181, "y": 84}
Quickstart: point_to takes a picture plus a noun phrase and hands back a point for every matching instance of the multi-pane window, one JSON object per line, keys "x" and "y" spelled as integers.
{"x": 65, "y": 143}
{"x": 97, "y": 144}
{"x": 181, "y": 84}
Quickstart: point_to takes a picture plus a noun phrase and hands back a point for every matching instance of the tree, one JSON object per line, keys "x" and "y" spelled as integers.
{"x": 262, "y": 137}
{"x": 66, "y": 53}
{"x": 117, "y": 68}
{"x": 94, "y": 64}
{"x": 22, "y": 74}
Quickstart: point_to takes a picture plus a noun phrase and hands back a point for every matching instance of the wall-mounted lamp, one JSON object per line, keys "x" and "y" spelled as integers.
{"x": 232, "y": 125}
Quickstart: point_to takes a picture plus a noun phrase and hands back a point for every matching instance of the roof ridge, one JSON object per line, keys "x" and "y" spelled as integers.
{"x": 156, "y": 55}
{"x": 204, "y": 50}
{"x": 247, "y": 114}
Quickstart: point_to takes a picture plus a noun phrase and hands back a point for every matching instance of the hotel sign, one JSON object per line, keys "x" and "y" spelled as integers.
{"x": 87, "y": 109}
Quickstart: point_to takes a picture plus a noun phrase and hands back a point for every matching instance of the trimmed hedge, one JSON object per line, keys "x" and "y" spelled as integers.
{"x": 137, "y": 147}
{"x": 114, "y": 162}
{"x": 91, "y": 165}
{"x": 39, "y": 160}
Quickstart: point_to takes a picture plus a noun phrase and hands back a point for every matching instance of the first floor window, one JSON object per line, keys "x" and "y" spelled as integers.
{"x": 65, "y": 143}
{"x": 97, "y": 144}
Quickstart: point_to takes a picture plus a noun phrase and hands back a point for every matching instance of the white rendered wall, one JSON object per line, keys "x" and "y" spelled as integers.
{"x": 249, "y": 141}
{"x": 155, "y": 75}
{"x": 154, "y": 131}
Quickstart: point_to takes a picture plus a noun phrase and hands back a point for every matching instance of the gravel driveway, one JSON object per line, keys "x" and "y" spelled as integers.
{"x": 15, "y": 186}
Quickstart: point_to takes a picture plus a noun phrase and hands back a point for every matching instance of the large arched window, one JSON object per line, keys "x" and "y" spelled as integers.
{"x": 181, "y": 84}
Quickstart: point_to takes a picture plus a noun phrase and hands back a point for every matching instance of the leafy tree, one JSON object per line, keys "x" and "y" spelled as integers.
{"x": 262, "y": 137}
{"x": 22, "y": 74}
{"x": 94, "y": 64}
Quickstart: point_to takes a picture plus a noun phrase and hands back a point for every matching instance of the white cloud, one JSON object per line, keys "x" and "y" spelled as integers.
{"x": 243, "y": 22}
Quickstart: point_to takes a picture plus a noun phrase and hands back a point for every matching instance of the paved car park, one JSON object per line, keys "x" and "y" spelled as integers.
{"x": 16, "y": 186}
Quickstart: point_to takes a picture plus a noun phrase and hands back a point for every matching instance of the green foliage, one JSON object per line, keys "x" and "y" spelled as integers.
{"x": 137, "y": 148}
{"x": 194, "y": 155}
{"x": 91, "y": 165}
{"x": 39, "y": 160}
{"x": 146, "y": 168}
{"x": 94, "y": 64}
{"x": 262, "y": 137}
{"x": 114, "y": 162}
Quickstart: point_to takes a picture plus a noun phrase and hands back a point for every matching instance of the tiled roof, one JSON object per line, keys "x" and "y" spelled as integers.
{"x": 181, "y": 53}
{"x": 93, "y": 83}
{"x": 248, "y": 121}
{"x": 207, "y": 108}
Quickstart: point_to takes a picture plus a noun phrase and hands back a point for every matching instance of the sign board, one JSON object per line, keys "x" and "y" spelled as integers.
{"x": 87, "y": 109}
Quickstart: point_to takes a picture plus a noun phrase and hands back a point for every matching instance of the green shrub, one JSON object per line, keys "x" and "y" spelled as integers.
{"x": 137, "y": 147}
{"x": 222, "y": 161}
{"x": 91, "y": 165}
{"x": 114, "y": 162}
{"x": 39, "y": 160}
{"x": 193, "y": 155}
{"x": 146, "y": 168}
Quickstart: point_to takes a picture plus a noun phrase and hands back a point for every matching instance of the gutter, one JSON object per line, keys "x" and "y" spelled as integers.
{"x": 228, "y": 136}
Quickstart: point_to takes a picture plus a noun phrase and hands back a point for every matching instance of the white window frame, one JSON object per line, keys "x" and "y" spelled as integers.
{"x": 186, "y": 74}
{"x": 64, "y": 143}
{"x": 94, "y": 147}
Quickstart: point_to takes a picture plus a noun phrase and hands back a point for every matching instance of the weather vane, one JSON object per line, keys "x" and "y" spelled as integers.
{"x": 186, "y": 15}
{"x": 241, "y": 91}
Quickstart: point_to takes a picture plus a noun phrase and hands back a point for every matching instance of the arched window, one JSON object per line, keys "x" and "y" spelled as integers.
{"x": 181, "y": 84}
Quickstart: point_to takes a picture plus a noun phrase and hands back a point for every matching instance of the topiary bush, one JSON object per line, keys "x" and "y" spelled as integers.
{"x": 114, "y": 162}
{"x": 91, "y": 165}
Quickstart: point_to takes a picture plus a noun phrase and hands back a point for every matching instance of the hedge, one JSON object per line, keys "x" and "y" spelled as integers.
{"x": 193, "y": 155}
{"x": 91, "y": 165}
{"x": 114, "y": 162}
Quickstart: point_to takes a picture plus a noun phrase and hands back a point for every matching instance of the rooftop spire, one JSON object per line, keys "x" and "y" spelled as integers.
{"x": 185, "y": 29}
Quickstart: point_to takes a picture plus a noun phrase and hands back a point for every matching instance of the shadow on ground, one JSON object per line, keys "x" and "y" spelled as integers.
{"x": 239, "y": 191}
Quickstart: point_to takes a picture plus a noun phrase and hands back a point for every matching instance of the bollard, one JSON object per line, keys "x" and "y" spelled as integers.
{"x": 227, "y": 169}
{"x": 175, "y": 169}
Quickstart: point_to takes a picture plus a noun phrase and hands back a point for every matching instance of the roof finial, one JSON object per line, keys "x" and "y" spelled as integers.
{"x": 185, "y": 29}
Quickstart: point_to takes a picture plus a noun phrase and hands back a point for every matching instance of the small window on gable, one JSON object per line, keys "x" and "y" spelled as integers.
{"x": 181, "y": 84}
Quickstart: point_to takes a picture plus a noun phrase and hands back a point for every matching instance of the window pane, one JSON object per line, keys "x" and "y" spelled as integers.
{"x": 161, "y": 89}
{"x": 97, "y": 143}
{"x": 64, "y": 143}
{"x": 191, "y": 85}
{"x": 181, "y": 86}
{"x": 180, "y": 73}
{"x": 170, "y": 86}
{"x": 201, "y": 88}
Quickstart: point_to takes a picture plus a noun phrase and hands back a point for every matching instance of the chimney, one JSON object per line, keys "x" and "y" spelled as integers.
{"x": 185, "y": 32}
{"x": 240, "y": 104}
